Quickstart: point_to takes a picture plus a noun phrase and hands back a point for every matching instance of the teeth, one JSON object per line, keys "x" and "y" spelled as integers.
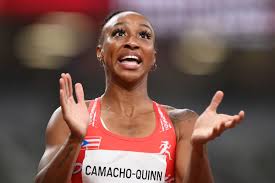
{"x": 130, "y": 57}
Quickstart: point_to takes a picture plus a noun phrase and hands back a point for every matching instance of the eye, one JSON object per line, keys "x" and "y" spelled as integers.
{"x": 118, "y": 33}
{"x": 145, "y": 35}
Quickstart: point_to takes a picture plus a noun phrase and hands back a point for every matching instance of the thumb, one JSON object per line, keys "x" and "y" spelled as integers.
{"x": 216, "y": 100}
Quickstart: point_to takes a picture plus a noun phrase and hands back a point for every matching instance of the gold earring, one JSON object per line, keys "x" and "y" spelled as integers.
{"x": 154, "y": 67}
{"x": 100, "y": 59}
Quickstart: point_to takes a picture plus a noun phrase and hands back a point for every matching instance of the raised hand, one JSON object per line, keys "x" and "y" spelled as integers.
{"x": 75, "y": 113}
{"x": 210, "y": 124}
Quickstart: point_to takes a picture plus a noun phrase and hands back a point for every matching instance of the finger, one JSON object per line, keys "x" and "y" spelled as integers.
{"x": 224, "y": 123}
{"x": 62, "y": 94}
{"x": 61, "y": 83}
{"x": 230, "y": 121}
{"x": 70, "y": 84}
{"x": 79, "y": 93}
{"x": 62, "y": 86}
{"x": 219, "y": 129}
{"x": 238, "y": 118}
{"x": 67, "y": 85}
{"x": 215, "y": 133}
{"x": 66, "y": 94}
{"x": 222, "y": 127}
{"x": 216, "y": 100}
{"x": 229, "y": 124}
{"x": 62, "y": 100}
{"x": 235, "y": 118}
{"x": 241, "y": 114}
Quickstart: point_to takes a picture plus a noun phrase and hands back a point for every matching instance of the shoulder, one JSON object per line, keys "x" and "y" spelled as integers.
{"x": 180, "y": 115}
{"x": 56, "y": 118}
{"x": 182, "y": 119}
{"x": 57, "y": 129}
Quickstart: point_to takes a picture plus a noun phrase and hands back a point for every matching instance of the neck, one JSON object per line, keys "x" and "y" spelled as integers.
{"x": 125, "y": 100}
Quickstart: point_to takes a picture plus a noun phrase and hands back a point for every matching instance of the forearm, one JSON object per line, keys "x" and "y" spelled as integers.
{"x": 198, "y": 169}
{"x": 59, "y": 169}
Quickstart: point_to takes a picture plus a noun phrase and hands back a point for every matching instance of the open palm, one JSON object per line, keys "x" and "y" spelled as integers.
{"x": 210, "y": 124}
{"x": 75, "y": 113}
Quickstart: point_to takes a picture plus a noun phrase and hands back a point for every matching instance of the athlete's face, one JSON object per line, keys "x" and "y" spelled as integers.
{"x": 127, "y": 48}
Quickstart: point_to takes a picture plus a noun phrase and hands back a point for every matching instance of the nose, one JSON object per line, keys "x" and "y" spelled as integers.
{"x": 131, "y": 43}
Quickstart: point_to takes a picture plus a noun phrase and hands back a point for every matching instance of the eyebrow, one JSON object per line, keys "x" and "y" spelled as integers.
{"x": 125, "y": 23}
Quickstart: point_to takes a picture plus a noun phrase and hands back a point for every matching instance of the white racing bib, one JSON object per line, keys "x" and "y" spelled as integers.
{"x": 102, "y": 166}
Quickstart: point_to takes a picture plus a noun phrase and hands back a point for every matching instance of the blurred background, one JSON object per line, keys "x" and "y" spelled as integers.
{"x": 202, "y": 46}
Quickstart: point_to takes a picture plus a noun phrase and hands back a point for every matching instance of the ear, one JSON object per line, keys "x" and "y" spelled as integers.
{"x": 99, "y": 52}
{"x": 155, "y": 55}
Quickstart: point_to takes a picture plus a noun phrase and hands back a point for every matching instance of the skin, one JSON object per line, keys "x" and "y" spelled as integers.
{"x": 127, "y": 109}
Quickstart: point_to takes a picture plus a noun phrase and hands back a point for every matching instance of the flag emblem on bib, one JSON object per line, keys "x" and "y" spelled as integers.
{"x": 91, "y": 142}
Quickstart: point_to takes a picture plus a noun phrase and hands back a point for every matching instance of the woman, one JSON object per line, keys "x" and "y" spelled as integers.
{"x": 124, "y": 136}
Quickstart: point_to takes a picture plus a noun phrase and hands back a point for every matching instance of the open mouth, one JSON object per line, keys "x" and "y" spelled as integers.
{"x": 130, "y": 62}
{"x": 130, "y": 59}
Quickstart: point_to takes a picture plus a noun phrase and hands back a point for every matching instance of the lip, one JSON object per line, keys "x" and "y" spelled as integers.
{"x": 129, "y": 65}
{"x": 133, "y": 57}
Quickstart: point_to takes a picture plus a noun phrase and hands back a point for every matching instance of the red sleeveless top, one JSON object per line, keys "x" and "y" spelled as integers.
{"x": 107, "y": 157}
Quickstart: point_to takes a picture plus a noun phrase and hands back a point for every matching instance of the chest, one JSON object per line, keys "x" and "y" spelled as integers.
{"x": 131, "y": 126}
